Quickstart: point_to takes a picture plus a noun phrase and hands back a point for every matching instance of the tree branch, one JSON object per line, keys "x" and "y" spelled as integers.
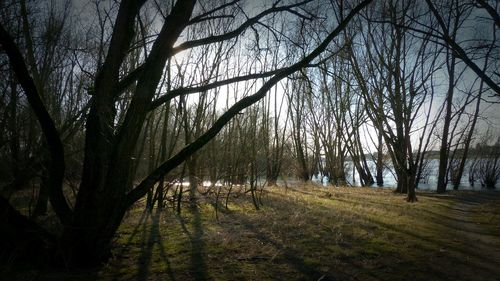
{"x": 54, "y": 143}
{"x": 135, "y": 74}
{"x": 191, "y": 148}
{"x": 185, "y": 91}
{"x": 459, "y": 52}
{"x": 237, "y": 31}
{"x": 129, "y": 79}
{"x": 206, "y": 16}
{"x": 493, "y": 13}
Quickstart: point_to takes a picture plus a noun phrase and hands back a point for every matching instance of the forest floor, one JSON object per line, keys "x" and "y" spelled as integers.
{"x": 310, "y": 233}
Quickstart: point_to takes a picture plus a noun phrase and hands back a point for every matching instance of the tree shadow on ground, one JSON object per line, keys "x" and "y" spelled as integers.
{"x": 485, "y": 265}
{"x": 149, "y": 240}
{"x": 197, "y": 267}
{"x": 445, "y": 222}
{"x": 290, "y": 256}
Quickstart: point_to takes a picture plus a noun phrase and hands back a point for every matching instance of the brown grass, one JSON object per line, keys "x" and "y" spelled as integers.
{"x": 310, "y": 232}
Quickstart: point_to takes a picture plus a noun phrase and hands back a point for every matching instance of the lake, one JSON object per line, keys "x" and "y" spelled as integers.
{"x": 429, "y": 183}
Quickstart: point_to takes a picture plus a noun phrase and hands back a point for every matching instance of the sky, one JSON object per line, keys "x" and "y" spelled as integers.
{"x": 84, "y": 11}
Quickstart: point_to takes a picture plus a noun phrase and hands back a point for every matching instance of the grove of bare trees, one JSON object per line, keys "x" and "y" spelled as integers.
{"x": 108, "y": 104}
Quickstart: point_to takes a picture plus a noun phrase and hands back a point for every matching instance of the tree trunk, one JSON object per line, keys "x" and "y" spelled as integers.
{"x": 412, "y": 197}
{"x": 303, "y": 169}
{"x": 461, "y": 167}
{"x": 42, "y": 199}
{"x": 444, "y": 149}
{"x": 193, "y": 179}
{"x": 22, "y": 240}
{"x": 85, "y": 242}
{"x": 401, "y": 177}
{"x": 380, "y": 161}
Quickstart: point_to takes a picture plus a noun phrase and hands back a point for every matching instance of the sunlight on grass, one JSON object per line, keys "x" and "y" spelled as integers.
{"x": 308, "y": 232}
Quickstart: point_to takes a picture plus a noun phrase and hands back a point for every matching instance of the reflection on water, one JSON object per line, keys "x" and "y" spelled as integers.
{"x": 429, "y": 183}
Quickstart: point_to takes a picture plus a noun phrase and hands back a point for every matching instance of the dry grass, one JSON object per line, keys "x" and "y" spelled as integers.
{"x": 310, "y": 232}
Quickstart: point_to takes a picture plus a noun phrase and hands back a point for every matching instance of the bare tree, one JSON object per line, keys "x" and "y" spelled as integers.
{"x": 454, "y": 23}
{"x": 394, "y": 85}
{"x": 298, "y": 111}
{"x": 106, "y": 190}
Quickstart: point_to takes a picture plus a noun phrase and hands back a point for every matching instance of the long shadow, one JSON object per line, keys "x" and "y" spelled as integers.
{"x": 153, "y": 238}
{"x": 163, "y": 254}
{"x": 437, "y": 218}
{"x": 438, "y": 243}
{"x": 463, "y": 203}
{"x": 476, "y": 197}
{"x": 142, "y": 222}
{"x": 434, "y": 216}
{"x": 424, "y": 238}
{"x": 445, "y": 220}
{"x": 198, "y": 266}
{"x": 364, "y": 200}
{"x": 428, "y": 239}
{"x": 459, "y": 225}
{"x": 291, "y": 257}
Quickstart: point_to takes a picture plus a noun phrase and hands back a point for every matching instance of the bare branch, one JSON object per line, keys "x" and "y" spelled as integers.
{"x": 493, "y": 13}
{"x": 460, "y": 53}
{"x": 54, "y": 143}
{"x": 206, "y": 16}
{"x": 184, "y": 91}
{"x": 232, "y": 34}
{"x": 191, "y": 148}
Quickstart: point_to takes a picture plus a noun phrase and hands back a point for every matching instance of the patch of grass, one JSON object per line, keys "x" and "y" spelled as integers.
{"x": 309, "y": 232}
